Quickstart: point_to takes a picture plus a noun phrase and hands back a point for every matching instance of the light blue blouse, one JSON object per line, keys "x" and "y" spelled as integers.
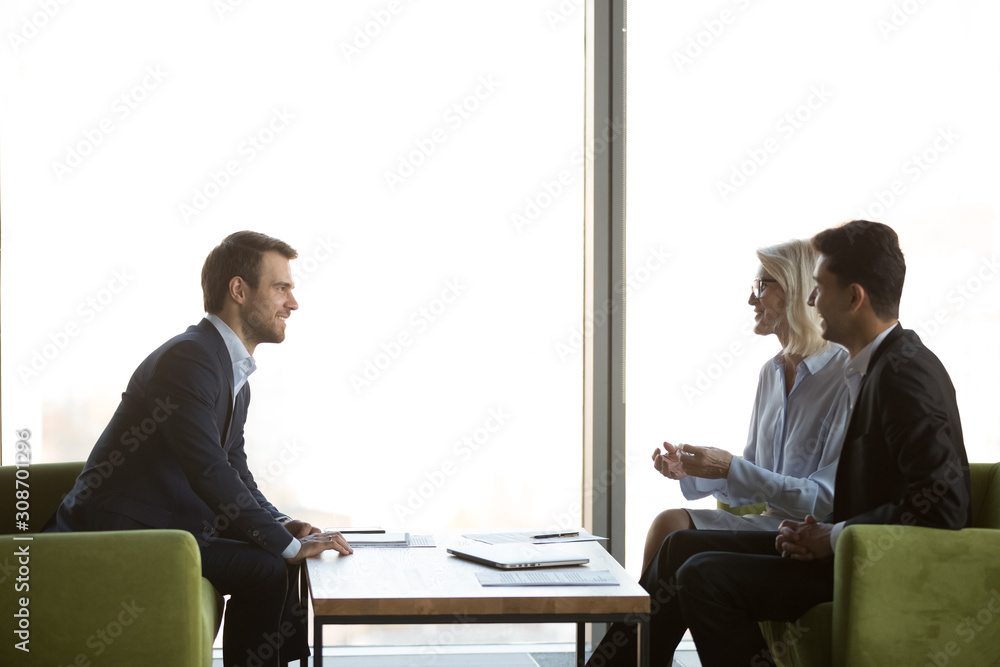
{"x": 790, "y": 460}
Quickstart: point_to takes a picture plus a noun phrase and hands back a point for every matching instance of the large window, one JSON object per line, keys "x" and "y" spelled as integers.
{"x": 753, "y": 123}
{"x": 426, "y": 161}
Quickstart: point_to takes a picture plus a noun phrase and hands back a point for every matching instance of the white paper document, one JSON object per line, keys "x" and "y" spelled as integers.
{"x": 390, "y": 540}
{"x": 547, "y": 578}
{"x": 535, "y": 537}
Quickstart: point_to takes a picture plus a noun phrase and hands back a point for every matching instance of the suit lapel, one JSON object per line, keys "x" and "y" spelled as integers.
{"x": 855, "y": 429}
{"x": 227, "y": 367}
{"x": 887, "y": 342}
{"x": 239, "y": 415}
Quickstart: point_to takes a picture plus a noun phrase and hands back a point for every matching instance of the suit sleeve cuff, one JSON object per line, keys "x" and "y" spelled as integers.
{"x": 292, "y": 549}
{"x": 835, "y": 532}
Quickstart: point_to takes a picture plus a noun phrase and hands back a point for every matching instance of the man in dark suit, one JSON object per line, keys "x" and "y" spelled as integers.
{"x": 903, "y": 462}
{"x": 173, "y": 455}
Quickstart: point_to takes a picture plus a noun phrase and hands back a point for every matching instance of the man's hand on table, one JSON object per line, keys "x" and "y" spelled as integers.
{"x": 300, "y": 529}
{"x": 806, "y": 540}
{"x": 316, "y": 542}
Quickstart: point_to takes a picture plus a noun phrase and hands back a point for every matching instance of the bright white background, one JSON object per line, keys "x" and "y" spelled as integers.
{"x": 890, "y": 89}
{"x": 335, "y": 95}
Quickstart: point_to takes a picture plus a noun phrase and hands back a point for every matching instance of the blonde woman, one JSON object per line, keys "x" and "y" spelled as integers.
{"x": 797, "y": 425}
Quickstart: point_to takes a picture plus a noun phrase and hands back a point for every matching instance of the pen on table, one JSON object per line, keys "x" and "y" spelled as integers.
{"x": 575, "y": 533}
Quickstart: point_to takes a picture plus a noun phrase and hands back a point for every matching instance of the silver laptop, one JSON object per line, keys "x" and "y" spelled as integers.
{"x": 517, "y": 556}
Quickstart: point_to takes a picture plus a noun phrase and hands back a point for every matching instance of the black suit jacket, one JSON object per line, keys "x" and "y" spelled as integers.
{"x": 172, "y": 455}
{"x": 903, "y": 459}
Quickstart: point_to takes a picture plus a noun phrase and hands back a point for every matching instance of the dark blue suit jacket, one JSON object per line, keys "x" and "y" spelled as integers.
{"x": 172, "y": 455}
{"x": 903, "y": 459}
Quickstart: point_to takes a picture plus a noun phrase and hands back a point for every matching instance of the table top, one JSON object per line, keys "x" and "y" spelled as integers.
{"x": 419, "y": 581}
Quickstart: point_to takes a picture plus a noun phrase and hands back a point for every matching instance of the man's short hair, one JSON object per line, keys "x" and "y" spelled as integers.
{"x": 866, "y": 253}
{"x": 240, "y": 254}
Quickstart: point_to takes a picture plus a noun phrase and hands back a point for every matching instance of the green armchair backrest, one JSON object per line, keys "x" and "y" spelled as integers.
{"x": 47, "y": 484}
{"x": 142, "y": 588}
{"x": 985, "y": 495}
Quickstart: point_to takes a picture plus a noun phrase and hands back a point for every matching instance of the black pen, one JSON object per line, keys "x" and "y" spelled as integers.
{"x": 575, "y": 533}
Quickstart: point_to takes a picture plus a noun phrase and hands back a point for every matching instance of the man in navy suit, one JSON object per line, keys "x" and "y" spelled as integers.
{"x": 903, "y": 445}
{"x": 173, "y": 455}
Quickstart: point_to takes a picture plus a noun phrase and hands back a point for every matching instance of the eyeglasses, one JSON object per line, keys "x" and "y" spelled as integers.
{"x": 759, "y": 285}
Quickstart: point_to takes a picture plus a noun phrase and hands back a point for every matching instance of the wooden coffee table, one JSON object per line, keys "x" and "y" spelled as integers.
{"x": 428, "y": 585}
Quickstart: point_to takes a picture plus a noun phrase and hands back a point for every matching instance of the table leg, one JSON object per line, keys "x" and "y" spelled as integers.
{"x": 644, "y": 643}
{"x": 581, "y": 644}
{"x": 317, "y": 643}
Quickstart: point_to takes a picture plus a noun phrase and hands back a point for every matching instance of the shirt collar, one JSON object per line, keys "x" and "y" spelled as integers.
{"x": 813, "y": 363}
{"x": 859, "y": 364}
{"x": 243, "y": 363}
{"x": 817, "y": 361}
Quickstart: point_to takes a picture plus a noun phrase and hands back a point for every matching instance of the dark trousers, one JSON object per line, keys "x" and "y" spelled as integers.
{"x": 265, "y": 621}
{"x": 719, "y": 583}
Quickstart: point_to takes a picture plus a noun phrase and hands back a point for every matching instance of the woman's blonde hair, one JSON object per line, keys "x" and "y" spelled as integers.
{"x": 792, "y": 264}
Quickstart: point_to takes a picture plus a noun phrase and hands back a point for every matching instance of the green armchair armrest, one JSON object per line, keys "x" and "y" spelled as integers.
{"x": 106, "y": 598}
{"x": 903, "y": 595}
{"x": 915, "y": 596}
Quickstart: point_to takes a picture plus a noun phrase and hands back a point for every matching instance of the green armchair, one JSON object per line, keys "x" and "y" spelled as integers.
{"x": 905, "y": 595}
{"x": 132, "y": 597}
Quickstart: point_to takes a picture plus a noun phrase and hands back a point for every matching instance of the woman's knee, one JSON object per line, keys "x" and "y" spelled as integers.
{"x": 670, "y": 521}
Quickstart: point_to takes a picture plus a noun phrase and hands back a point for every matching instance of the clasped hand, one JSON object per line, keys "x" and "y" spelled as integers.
{"x": 805, "y": 540}
{"x": 683, "y": 460}
{"x": 314, "y": 541}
